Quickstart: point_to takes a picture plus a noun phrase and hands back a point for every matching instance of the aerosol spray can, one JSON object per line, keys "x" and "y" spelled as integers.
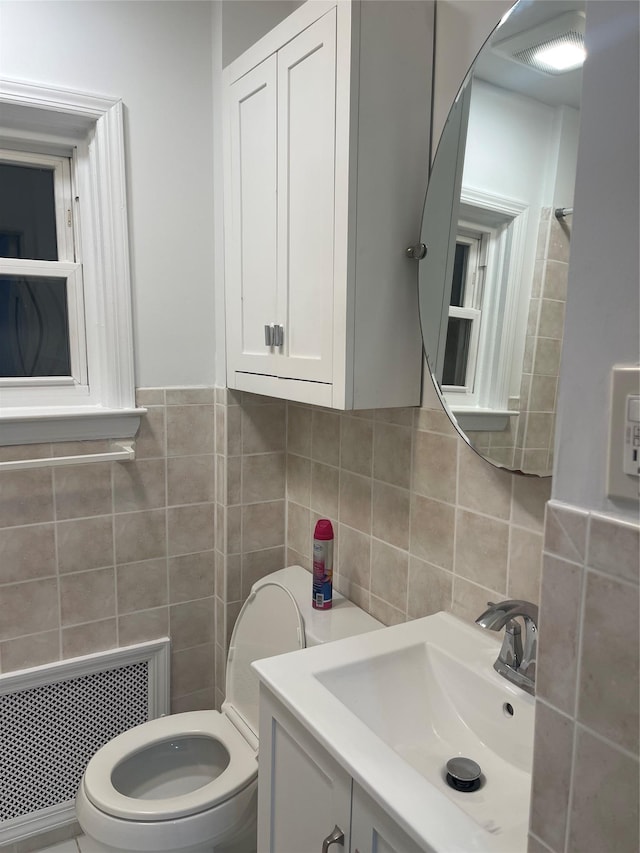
{"x": 322, "y": 564}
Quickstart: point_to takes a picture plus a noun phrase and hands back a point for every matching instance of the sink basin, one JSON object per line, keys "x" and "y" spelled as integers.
{"x": 394, "y": 706}
{"x": 430, "y": 706}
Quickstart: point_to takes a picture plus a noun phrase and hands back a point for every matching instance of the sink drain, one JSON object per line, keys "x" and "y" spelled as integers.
{"x": 463, "y": 774}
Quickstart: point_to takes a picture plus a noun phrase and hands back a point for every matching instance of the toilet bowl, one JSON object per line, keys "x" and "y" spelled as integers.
{"x": 188, "y": 783}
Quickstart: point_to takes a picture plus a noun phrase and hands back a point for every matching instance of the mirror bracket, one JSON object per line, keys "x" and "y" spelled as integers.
{"x": 417, "y": 252}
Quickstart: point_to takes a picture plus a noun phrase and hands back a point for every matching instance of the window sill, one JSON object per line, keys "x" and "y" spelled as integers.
{"x": 476, "y": 419}
{"x": 38, "y": 425}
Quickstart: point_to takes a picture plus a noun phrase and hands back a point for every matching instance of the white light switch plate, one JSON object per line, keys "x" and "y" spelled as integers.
{"x": 623, "y": 480}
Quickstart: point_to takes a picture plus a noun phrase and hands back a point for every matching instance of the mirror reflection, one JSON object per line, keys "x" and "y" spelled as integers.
{"x": 497, "y": 226}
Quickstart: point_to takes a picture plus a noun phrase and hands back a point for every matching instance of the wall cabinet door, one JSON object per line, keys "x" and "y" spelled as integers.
{"x": 306, "y": 177}
{"x": 251, "y": 217}
{"x": 280, "y": 217}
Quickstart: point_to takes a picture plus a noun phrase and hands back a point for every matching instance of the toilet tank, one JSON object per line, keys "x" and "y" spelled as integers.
{"x": 344, "y": 619}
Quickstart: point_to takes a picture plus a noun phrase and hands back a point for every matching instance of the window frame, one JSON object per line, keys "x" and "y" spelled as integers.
{"x": 471, "y": 309}
{"x": 62, "y": 189}
{"x": 54, "y": 122}
{"x": 69, "y": 389}
{"x": 65, "y": 267}
{"x": 506, "y": 220}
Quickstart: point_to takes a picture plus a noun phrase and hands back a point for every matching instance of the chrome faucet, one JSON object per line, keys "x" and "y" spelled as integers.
{"x": 517, "y": 659}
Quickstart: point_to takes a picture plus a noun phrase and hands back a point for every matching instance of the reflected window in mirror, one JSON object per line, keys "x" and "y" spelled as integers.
{"x": 492, "y": 317}
{"x": 480, "y": 330}
{"x": 465, "y": 315}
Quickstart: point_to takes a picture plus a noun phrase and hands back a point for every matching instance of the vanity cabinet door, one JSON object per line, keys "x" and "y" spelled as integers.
{"x": 373, "y": 831}
{"x": 302, "y": 792}
{"x": 251, "y": 218}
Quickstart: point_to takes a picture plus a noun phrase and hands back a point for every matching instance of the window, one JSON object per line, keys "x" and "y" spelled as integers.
{"x": 465, "y": 312}
{"x": 482, "y": 333}
{"x": 66, "y": 355}
{"x": 41, "y": 310}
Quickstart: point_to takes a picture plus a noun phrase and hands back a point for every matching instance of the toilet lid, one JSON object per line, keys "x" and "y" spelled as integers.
{"x": 268, "y": 624}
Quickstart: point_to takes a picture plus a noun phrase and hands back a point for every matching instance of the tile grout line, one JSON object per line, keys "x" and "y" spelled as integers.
{"x": 454, "y": 552}
{"x": 165, "y": 447}
{"x": 112, "y": 481}
{"x": 576, "y": 701}
{"x": 57, "y": 562}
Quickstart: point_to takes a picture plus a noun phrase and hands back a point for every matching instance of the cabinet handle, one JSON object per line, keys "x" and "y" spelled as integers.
{"x": 273, "y": 335}
{"x": 336, "y": 837}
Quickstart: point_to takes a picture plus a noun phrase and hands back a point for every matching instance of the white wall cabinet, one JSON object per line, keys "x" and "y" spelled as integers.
{"x": 326, "y": 158}
{"x": 304, "y": 794}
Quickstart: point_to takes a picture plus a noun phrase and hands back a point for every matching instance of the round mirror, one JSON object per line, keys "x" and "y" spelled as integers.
{"x": 497, "y": 227}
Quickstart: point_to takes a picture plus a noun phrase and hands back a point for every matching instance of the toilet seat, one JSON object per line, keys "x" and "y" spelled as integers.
{"x": 241, "y": 770}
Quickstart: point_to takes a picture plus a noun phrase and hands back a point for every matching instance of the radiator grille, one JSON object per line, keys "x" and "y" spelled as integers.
{"x": 48, "y": 733}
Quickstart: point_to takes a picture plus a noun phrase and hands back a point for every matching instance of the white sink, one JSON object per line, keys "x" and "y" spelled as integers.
{"x": 395, "y": 705}
{"x": 430, "y": 704}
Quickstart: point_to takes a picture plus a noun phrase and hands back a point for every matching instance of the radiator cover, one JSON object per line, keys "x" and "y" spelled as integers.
{"x": 54, "y": 718}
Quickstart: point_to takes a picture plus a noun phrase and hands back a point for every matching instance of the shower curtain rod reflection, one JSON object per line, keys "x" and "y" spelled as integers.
{"x": 561, "y": 212}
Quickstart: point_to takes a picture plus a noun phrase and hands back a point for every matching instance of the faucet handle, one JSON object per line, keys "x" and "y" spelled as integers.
{"x": 497, "y": 615}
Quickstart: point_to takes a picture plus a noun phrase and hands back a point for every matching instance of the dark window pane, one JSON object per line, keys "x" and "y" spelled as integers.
{"x": 27, "y": 213}
{"x": 459, "y": 274}
{"x": 34, "y": 328}
{"x": 456, "y": 354}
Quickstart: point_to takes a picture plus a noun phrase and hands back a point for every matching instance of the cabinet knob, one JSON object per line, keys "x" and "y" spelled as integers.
{"x": 268, "y": 335}
{"x": 336, "y": 837}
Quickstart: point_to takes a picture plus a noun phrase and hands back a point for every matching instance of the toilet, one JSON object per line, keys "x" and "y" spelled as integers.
{"x": 188, "y": 783}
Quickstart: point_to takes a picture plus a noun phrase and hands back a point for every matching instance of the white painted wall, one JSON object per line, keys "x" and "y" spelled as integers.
{"x": 218, "y": 201}
{"x": 567, "y": 134}
{"x": 509, "y": 144}
{"x": 520, "y": 149}
{"x": 157, "y": 57}
{"x": 246, "y": 21}
{"x": 462, "y": 27}
{"x": 603, "y": 309}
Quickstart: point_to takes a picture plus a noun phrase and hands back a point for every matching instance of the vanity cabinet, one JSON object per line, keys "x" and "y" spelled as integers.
{"x": 326, "y": 127}
{"x": 373, "y": 830}
{"x": 304, "y": 794}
